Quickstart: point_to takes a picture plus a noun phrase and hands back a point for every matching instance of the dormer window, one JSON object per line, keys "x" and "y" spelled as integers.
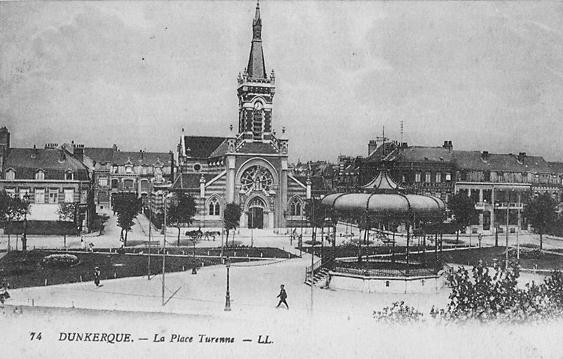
{"x": 69, "y": 176}
{"x": 10, "y": 175}
{"x": 129, "y": 169}
{"x": 40, "y": 175}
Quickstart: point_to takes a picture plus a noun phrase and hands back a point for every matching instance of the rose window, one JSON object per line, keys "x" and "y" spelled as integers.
{"x": 256, "y": 178}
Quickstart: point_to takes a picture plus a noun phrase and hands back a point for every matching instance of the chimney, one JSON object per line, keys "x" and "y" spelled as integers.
{"x": 485, "y": 155}
{"x": 114, "y": 148}
{"x": 4, "y": 139}
{"x": 521, "y": 156}
{"x": 62, "y": 155}
{"x": 35, "y": 152}
{"x": 404, "y": 145}
{"x": 51, "y": 146}
{"x": 448, "y": 145}
{"x": 79, "y": 152}
{"x": 142, "y": 154}
{"x": 171, "y": 166}
{"x": 372, "y": 146}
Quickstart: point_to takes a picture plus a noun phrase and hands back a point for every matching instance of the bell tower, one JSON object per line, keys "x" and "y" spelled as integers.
{"x": 256, "y": 90}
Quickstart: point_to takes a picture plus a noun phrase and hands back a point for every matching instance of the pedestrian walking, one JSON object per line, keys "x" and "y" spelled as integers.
{"x": 97, "y": 274}
{"x": 283, "y": 297}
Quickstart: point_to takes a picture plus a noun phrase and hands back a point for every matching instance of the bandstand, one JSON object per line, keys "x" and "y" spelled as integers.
{"x": 384, "y": 202}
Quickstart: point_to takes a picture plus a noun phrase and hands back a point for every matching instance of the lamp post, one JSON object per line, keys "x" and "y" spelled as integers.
{"x": 507, "y": 215}
{"x": 228, "y": 294}
{"x": 24, "y": 238}
{"x": 170, "y": 195}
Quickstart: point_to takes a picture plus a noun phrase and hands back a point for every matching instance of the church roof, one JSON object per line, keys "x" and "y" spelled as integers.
{"x": 202, "y": 146}
{"x": 256, "y": 68}
{"x": 189, "y": 181}
{"x": 257, "y": 147}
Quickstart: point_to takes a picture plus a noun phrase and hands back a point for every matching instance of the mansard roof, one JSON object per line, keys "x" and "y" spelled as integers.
{"x": 54, "y": 162}
{"x": 475, "y": 160}
{"x": 111, "y": 155}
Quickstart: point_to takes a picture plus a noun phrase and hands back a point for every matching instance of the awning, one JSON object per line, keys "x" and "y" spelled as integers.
{"x": 386, "y": 204}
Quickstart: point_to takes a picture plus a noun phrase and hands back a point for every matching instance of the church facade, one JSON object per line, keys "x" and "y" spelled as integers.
{"x": 250, "y": 166}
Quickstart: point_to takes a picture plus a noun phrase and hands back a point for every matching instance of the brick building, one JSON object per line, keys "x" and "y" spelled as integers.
{"x": 250, "y": 165}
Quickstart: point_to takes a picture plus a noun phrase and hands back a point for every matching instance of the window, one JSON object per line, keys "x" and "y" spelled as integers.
{"x": 103, "y": 181}
{"x": 214, "y": 207}
{"x": 53, "y": 196}
{"x": 68, "y": 176}
{"x": 10, "y": 175}
{"x": 84, "y": 196}
{"x": 11, "y": 192}
{"x": 417, "y": 177}
{"x": 24, "y": 194}
{"x": 427, "y": 177}
{"x": 128, "y": 184}
{"x": 115, "y": 169}
{"x": 438, "y": 177}
{"x": 403, "y": 178}
{"x": 129, "y": 169}
{"x": 448, "y": 176}
{"x": 39, "y": 195}
{"x": 69, "y": 195}
{"x": 40, "y": 175}
{"x": 114, "y": 183}
{"x": 295, "y": 207}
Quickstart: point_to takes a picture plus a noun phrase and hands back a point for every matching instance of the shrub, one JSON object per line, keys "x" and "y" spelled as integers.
{"x": 59, "y": 260}
{"x": 398, "y": 312}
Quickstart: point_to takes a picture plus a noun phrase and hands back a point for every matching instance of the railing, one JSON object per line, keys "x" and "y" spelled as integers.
{"x": 413, "y": 272}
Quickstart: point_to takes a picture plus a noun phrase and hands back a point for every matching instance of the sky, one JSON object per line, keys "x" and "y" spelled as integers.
{"x": 485, "y": 75}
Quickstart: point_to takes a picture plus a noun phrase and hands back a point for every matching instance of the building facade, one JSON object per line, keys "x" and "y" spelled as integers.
{"x": 122, "y": 171}
{"x": 250, "y": 165}
{"x": 45, "y": 177}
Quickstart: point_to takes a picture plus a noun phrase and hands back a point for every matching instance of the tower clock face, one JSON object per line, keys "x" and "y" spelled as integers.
{"x": 256, "y": 178}
{"x": 258, "y": 105}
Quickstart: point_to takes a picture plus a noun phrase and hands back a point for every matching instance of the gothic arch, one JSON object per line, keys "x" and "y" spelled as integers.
{"x": 257, "y": 161}
{"x": 295, "y": 206}
{"x": 248, "y": 203}
{"x": 210, "y": 205}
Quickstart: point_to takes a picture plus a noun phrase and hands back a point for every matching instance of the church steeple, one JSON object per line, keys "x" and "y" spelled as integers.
{"x": 256, "y": 91}
{"x": 256, "y": 68}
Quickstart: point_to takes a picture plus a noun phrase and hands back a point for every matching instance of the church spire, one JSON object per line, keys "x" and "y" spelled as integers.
{"x": 256, "y": 68}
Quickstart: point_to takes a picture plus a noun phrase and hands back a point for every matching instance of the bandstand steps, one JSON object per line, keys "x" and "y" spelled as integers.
{"x": 318, "y": 277}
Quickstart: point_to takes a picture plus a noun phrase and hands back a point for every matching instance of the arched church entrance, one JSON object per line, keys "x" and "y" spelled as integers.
{"x": 256, "y": 208}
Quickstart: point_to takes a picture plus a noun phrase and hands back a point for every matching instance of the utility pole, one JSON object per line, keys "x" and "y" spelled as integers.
{"x": 149, "y": 244}
{"x": 164, "y": 252}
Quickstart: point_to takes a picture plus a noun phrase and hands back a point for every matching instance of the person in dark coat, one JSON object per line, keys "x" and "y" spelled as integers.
{"x": 97, "y": 276}
{"x": 283, "y": 297}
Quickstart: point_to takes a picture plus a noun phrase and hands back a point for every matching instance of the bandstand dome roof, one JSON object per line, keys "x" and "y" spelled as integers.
{"x": 387, "y": 204}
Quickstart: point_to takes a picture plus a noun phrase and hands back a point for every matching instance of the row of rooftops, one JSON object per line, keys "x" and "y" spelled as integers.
{"x": 55, "y": 160}
{"x": 394, "y": 152}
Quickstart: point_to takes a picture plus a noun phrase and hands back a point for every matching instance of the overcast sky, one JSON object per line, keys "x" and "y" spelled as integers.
{"x": 485, "y": 75}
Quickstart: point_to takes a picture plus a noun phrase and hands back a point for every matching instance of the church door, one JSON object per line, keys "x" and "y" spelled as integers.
{"x": 256, "y": 217}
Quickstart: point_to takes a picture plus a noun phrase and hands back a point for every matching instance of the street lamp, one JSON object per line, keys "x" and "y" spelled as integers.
{"x": 228, "y": 294}
{"x": 169, "y": 196}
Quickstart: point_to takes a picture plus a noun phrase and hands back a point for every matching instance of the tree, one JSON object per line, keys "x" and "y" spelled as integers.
{"x": 68, "y": 211}
{"x": 127, "y": 206}
{"x": 12, "y": 209}
{"x": 541, "y": 213}
{"x": 463, "y": 209}
{"x": 231, "y": 217}
{"x": 181, "y": 211}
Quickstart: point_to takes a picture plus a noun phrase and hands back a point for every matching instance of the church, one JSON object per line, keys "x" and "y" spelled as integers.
{"x": 250, "y": 166}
